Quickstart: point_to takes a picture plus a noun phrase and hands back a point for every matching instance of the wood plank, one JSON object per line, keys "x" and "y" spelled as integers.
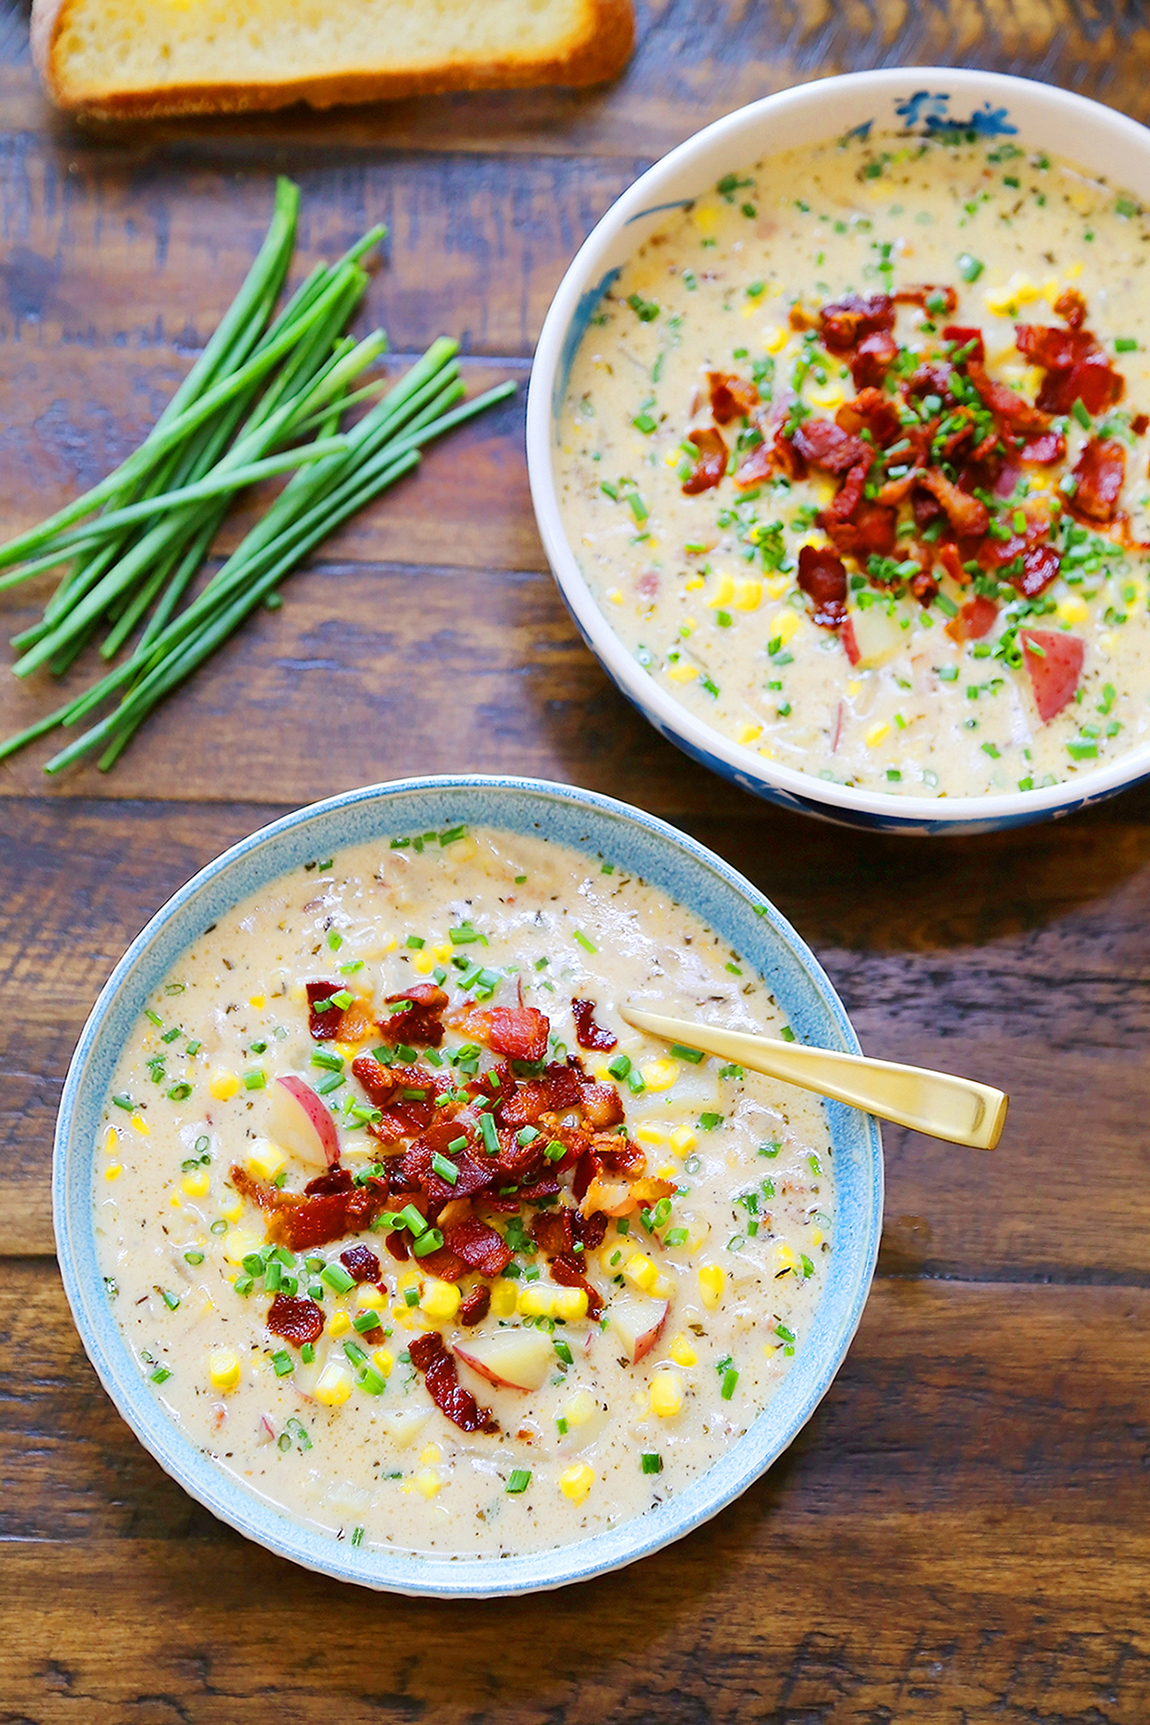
{"x": 976, "y": 1468}
{"x": 688, "y": 70}
{"x": 1053, "y": 1006}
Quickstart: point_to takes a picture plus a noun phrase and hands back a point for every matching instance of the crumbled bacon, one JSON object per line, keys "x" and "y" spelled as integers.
{"x": 967, "y": 514}
{"x": 843, "y": 505}
{"x": 732, "y": 396}
{"x": 846, "y": 322}
{"x": 324, "y": 1026}
{"x": 1053, "y": 349}
{"x": 378, "y": 1081}
{"x": 588, "y": 1034}
{"x": 711, "y": 462}
{"x": 1071, "y": 307}
{"x": 1100, "y": 473}
{"x": 926, "y": 294}
{"x": 473, "y": 1175}
{"x": 872, "y": 358}
{"x": 827, "y": 445}
{"x": 870, "y": 410}
{"x": 416, "y": 1016}
{"x": 558, "y": 1088}
{"x": 823, "y": 578}
{"x": 519, "y": 1032}
{"x": 1040, "y": 566}
{"x": 1043, "y": 450}
{"x": 331, "y": 1207}
{"x": 296, "y": 1320}
{"x": 474, "y": 1306}
{"x": 429, "y": 1356}
{"x": 1093, "y": 382}
{"x": 361, "y": 1263}
{"x": 601, "y": 1104}
{"x": 968, "y": 342}
{"x": 1006, "y": 402}
{"x": 478, "y": 1245}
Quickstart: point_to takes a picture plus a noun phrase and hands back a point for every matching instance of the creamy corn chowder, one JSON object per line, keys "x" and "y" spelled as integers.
{"x": 854, "y": 459}
{"x": 417, "y": 1239}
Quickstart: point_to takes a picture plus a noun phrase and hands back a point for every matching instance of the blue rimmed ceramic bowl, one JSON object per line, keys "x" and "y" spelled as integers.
{"x": 586, "y": 822}
{"x": 915, "y": 100}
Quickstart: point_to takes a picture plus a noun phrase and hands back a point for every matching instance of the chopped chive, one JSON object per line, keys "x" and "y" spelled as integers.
{"x": 125, "y": 1102}
{"x": 563, "y": 1349}
{"x": 620, "y": 1067}
{"x": 413, "y": 1219}
{"x": 357, "y": 1537}
{"x": 172, "y": 1301}
{"x": 708, "y": 1122}
{"x": 730, "y": 1379}
{"x": 488, "y": 1133}
{"x": 787, "y": 1033}
{"x": 161, "y": 1375}
{"x": 587, "y": 945}
{"x": 282, "y": 1363}
{"x": 154, "y": 1016}
{"x": 367, "y": 1320}
{"x": 179, "y": 1092}
{"x": 330, "y": 1062}
{"x": 307, "y": 1353}
{"x": 519, "y": 1480}
{"x": 193, "y": 1257}
{"x": 429, "y": 1241}
{"x": 337, "y": 1278}
{"x": 255, "y": 1080}
{"x": 651, "y": 1463}
{"x": 683, "y": 1053}
{"x": 555, "y": 1151}
{"x": 1079, "y": 410}
{"x": 355, "y": 1353}
{"x": 446, "y": 1169}
{"x": 782, "y": 1330}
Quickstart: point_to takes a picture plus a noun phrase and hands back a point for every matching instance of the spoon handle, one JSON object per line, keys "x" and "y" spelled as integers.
{"x": 936, "y": 1103}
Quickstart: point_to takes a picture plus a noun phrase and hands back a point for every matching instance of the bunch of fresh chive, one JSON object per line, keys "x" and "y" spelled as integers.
{"x": 133, "y": 544}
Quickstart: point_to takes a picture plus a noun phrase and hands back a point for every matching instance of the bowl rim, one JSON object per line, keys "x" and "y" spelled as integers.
{"x": 676, "y": 721}
{"x": 238, "y": 1505}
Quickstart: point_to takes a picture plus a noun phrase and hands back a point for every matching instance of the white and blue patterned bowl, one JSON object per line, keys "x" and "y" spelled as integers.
{"x": 921, "y": 100}
{"x": 598, "y": 826}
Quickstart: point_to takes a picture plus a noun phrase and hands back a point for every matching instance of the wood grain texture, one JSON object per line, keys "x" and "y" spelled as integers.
{"x": 960, "y": 1535}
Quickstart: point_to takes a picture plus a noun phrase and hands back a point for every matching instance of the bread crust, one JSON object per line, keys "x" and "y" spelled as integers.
{"x": 601, "y": 54}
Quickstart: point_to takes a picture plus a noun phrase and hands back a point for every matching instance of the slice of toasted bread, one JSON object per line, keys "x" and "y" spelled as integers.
{"x": 135, "y": 58}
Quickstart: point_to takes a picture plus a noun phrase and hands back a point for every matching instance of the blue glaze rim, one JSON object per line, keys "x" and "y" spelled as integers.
{"x": 919, "y": 101}
{"x": 594, "y": 824}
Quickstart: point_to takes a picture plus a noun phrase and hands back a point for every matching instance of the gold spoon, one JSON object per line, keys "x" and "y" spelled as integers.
{"x": 937, "y": 1103}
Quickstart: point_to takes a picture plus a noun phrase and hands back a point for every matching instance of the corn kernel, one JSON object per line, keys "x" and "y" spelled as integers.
{"x": 1019, "y": 290}
{"x": 176, "y": 1201}
{"x": 668, "y": 1171}
{"x": 338, "y": 1324}
{"x": 503, "y": 1298}
{"x": 615, "y": 594}
{"x": 266, "y": 1159}
{"x": 712, "y": 1281}
{"x": 682, "y": 1352}
{"x": 440, "y": 1299}
{"x": 369, "y": 1298}
{"x": 140, "y": 1124}
{"x": 537, "y": 1300}
{"x": 238, "y": 1244}
{"x": 699, "y": 1235}
{"x": 683, "y": 1140}
{"x": 427, "y": 1483}
{"x": 1072, "y": 609}
{"x": 334, "y": 1384}
{"x": 666, "y": 1395}
{"x": 197, "y": 1183}
{"x": 693, "y": 585}
{"x": 748, "y": 596}
{"x": 1073, "y": 271}
{"x": 706, "y": 218}
{"x": 775, "y": 338}
{"x": 444, "y": 949}
{"x": 816, "y": 1236}
{"x": 876, "y": 734}
{"x": 384, "y": 1361}
{"x": 660, "y": 1074}
{"x": 111, "y": 1142}
{"x": 424, "y": 962}
{"x": 232, "y": 1210}
{"x": 571, "y": 1304}
{"x": 777, "y": 585}
{"x": 785, "y": 1257}
{"x": 1051, "y": 289}
{"x": 641, "y": 1271}
{"x": 223, "y": 1084}
{"x": 389, "y": 942}
{"x": 829, "y": 394}
{"x": 747, "y": 733}
{"x": 579, "y": 1409}
{"x": 784, "y": 625}
{"x": 682, "y": 672}
{"x": 575, "y": 1482}
{"x": 723, "y": 594}
{"x": 113, "y": 1170}
{"x": 431, "y": 1455}
{"x": 648, "y": 1134}
{"x": 463, "y": 850}
{"x": 662, "y": 1287}
{"x": 224, "y": 1368}
{"x": 257, "y": 1000}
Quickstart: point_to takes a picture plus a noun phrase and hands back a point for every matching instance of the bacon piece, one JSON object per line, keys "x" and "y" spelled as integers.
{"x": 519, "y": 1032}
{"x": 1092, "y": 382}
{"x": 928, "y": 291}
{"x": 474, "y": 1306}
{"x": 474, "y": 1175}
{"x": 534, "y": 1097}
{"x": 478, "y": 1245}
{"x": 731, "y": 396}
{"x": 873, "y": 359}
{"x": 923, "y": 586}
{"x": 951, "y": 559}
{"x": 378, "y": 1081}
{"x": 896, "y": 491}
{"x": 932, "y": 378}
{"x": 620, "y": 1154}
{"x": 849, "y": 496}
{"x": 355, "y": 1023}
{"x": 567, "y": 1270}
{"x": 966, "y": 514}
{"x": 870, "y": 410}
{"x": 1054, "y": 670}
{"x": 551, "y": 1231}
{"x": 845, "y": 322}
{"x": 324, "y": 1026}
{"x": 827, "y": 445}
{"x": 588, "y": 1034}
{"x": 711, "y": 464}
{"x": 330, "y": 1207}
{"x": 443, "y": 1264}
{"x": 823, "y": 579}
{"x": 1040, "y": 566}
{"x": 361, "y": 1263}
{"x": 417, "y": 1018}
{"x": 962, "y": 338}
{"x": 1043, "y": 450}
{"x": 1053, "y": 349}
{"x": 412, "y": 1104}
{"x": 429, "y": 1356}
{"x": 1006, "y": 402}
{"x": 602, "y": 1105}
{"x": 1071, "y": 306}
{"x": 975, "y": 619}
{"x": 871, "y": 530}
{"x": 517, "y": 1162}
{"x": 1140, "y": 424}
{"x": 1100, "y": 472}
{"x": 397, "y": 1246}
{"x": 296, "y": 1320}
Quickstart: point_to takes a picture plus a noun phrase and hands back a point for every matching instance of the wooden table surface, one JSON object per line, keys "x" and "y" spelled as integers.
{"x": 962, "y": 1534}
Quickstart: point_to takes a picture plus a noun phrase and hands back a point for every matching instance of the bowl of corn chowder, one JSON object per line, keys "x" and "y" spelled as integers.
{"x": 838, "y": 435}
{"x": 392, "y": 1242}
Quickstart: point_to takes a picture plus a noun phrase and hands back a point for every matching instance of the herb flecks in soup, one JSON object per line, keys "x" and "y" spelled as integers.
{"x": 854, "y": 459}
{"x": 417, "y": 1238}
